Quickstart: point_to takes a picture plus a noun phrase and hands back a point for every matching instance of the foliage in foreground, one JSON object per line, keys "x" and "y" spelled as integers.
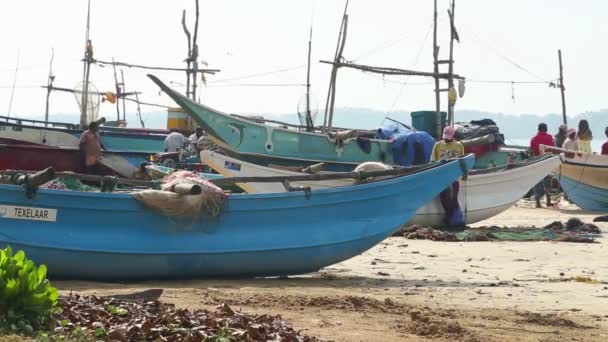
{"x": 27, "y": 299}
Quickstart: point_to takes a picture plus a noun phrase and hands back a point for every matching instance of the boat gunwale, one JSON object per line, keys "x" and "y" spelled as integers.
{"x": 245, "y": 196}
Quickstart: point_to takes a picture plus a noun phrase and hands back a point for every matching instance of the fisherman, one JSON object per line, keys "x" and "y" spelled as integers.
{"x": 174, "y": 141}
{"x": 446, "y": 149}
{"x": 541, "y": 138}
{"x": 584, "y": 136}
{"x": 90, "y": 146}
{"x": 561, "y": 135}
{"x": 605, "y": 145}
{"x": 195, "y": 137}
{"x": 570, "y": 143}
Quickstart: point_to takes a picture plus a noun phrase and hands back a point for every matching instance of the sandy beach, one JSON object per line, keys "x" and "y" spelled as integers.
{"x": 413, "y": 290}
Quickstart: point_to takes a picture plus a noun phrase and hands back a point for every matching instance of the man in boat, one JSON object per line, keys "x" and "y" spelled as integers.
{"x": 560, "y": 137}
{"x": 541, "y": 138}
{"x": 90, "y": 146}
{"x": 446, "y": 149}
{"x": 195, "y": 137}
{"x": 174, "y": 141}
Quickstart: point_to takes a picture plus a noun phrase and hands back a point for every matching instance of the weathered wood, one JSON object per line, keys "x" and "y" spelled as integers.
{"x": 35, "y": 179}
{"x": 316, "y": 168}
{"x": 127, "y": 65}
{"x": 88, "y": 178}
{"x": 187, "y": 189}
{"x": 391, "y": 71}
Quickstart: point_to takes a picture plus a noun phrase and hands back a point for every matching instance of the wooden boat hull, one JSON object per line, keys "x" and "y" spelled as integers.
{"x": 114, "y": 237}
{"x": 39, "y": 157}
{"x": 482, "y": 195}
{"x": 113, "y": 139}
{"x": 584, "y": 178}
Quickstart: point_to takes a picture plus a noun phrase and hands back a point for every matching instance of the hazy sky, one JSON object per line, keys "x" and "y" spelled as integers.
{"x": 248, "y": 38}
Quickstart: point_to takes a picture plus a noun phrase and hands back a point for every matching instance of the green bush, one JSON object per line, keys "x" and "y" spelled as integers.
{"x": 27, "y": 298}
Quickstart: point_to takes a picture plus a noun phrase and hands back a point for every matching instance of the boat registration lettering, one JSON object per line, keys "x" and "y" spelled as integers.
{"x": 28, "y": 213}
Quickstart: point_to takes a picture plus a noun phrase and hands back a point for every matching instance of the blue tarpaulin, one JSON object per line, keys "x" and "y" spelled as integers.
{"x": 409, "y": 147}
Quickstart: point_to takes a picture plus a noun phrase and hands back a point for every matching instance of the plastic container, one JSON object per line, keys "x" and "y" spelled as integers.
{"x": 425, "y": 121}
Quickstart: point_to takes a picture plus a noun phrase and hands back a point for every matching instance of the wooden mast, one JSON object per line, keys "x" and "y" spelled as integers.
{"x": 561, "y": 86}
{"x": 450, "y": 119}
{"x": 331, "y": 94}
{"x": 118, "y": 91}
{"x": 124, "y": 92}
{"x": 309, "y": 123}
{"x": 49, "y": 88}
{"x": 88, "y": 58}
{"x": 436, "y": 70}
{"x": 194, "y": 56}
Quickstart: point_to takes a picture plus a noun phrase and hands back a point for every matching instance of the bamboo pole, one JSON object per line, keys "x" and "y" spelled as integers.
{"x": 436, "y": 70}
{"x": 118, "y": 91}
{"x": 309, "y": 123}
{"x": 87, "y": 69}
{"x": 49, "y": 84}
{"x": 561, "y": 86}
{"x": 450, "y": 119}
{"x": 124, "y": 91}
{"x": 334, "y": 70}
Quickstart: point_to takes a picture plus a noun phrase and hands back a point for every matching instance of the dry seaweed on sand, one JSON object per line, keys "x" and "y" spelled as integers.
{"x": 150, "y": 320}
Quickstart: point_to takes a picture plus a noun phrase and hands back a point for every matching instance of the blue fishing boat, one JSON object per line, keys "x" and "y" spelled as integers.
{"x": 112, "y": 236}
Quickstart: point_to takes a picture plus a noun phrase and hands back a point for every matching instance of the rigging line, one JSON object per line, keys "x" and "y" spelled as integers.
{"x": 379, "y": 48}
{"x": 255, "y": 85}
{"x": 10, "y": 104}
{"x": 426, "y": 37}
{"x": 511, "y": 82}
{"x": 501, "y": 55}
{"x": 146, "y": 103}
{"x": 271, "y": 72}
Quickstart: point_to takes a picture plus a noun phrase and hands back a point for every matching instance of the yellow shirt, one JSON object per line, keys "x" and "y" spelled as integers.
{"x": 447, "y": 150}
{"x": 584, "y": 145}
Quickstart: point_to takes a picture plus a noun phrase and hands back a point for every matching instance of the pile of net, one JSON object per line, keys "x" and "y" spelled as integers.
{"x": 574, "y": 230}
{"x": 68, "y": 183}
{"x": 112, "y": 319}
{"x": 209, "y": 202}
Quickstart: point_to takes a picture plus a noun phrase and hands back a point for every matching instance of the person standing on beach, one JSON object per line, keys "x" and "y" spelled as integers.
{"x": 570, "y": 143}
{"x": 90, "y": 146}
{"x": 541, "y": 138}
{"x": 561, "y": 135}
{"x": 584, "y": 136}
{"x": 605, "y": 145}
{"x": 446, "y": 149}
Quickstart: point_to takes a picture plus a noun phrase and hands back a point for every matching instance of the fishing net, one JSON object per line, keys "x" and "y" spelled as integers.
{"x": 209, "y": 202}
{"x": 68, "y": 183}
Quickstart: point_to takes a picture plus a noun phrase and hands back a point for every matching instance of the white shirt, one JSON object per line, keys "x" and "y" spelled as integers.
{"x": 570, "y": 145}
{"x": 174, "y": 141}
